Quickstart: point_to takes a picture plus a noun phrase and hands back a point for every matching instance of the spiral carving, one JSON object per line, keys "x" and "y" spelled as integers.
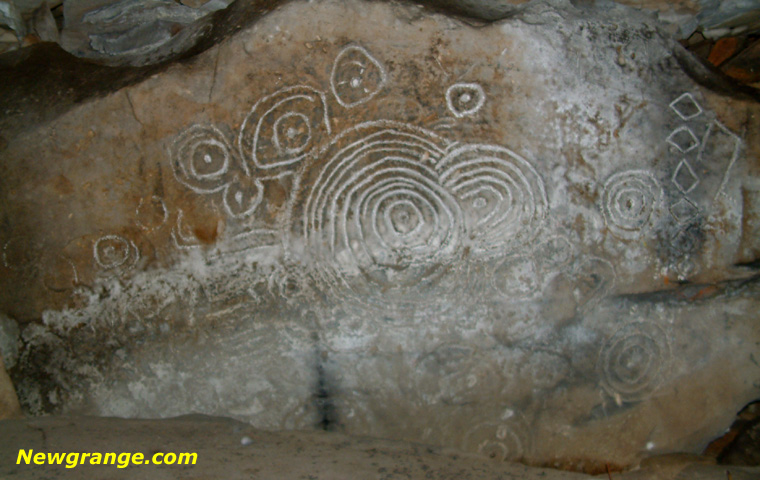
{"x": 377, "y": 217}
{"x": 501, "y": 194}
{"x": 202, "y": 159}
{"x": 634, "y": 361}
{"x": 501, "y": 440}
{"x": 114, "y": 252}
{"x": 283, "y": 127}
{"x": 630, "y": 198}
{"x": 356, "y": 76}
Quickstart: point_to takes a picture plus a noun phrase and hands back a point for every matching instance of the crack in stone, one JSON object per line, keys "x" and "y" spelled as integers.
{"x": 216, "y": 68}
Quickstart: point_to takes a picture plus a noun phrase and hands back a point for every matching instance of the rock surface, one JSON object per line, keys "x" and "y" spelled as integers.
{"x": 9, "y": 406}
{"x": 233, "y": 450}
{"x": 133, "y": 32}
{"x": 147, "y": 32}
{"x": 534, "y": 240}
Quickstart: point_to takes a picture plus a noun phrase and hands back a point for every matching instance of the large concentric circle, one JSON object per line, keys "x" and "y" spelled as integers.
{"x": 201, "y": 159}
{"x": 634, "y": 361}
{"x": 629, "y": 200}
{"x": 502, "y": 196}
{"x": 379, "y": 223}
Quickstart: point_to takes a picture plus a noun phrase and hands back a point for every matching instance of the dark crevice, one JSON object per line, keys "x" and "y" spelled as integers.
{"x": 322, "y": 399}
{"x": 470, "y": 12}
{"x": 741, "y": 444}
{"x": 711, "y": 77}
{"x": 753, "y": 264}
{"x": 694, "y": 292}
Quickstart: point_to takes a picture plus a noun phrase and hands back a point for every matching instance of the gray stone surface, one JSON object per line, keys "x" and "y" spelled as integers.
{"x": 43, "y": 24}
{"x": 10, "y": 17}
{"x": 729, "y": 17}
{"x": 133, "y": 32}
{"x": 530, "y": 240}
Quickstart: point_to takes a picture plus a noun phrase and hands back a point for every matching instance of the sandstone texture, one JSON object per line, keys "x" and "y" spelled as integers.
{"x": 535, "y": 239}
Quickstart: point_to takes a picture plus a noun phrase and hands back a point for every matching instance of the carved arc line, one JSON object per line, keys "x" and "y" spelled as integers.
{"x": 380, "y": 68}
{"x": 734, "y": 154}
{"x": 463, "y": 86}
{"x": 329, "y": 171}
{"x": 415, "y": 176}
{"x": 248, "y": 119}
{"x": 258, "y": 131}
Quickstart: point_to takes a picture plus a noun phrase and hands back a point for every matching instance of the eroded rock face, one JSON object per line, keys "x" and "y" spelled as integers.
{"x": 519, "y": 239}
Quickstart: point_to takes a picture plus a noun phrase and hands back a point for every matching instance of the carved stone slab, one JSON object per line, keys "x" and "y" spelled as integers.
{"x": 519, "y": 239}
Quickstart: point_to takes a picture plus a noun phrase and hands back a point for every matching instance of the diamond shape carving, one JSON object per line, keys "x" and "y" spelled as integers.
{"x": 686, "y": 107}
{"x": 685, "y": 178}
{"x": 683, "y": 211}
{"x": 683, "y": 139}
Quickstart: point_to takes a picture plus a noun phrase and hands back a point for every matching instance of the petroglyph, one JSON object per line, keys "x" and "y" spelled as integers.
{"x": 151, "y": 213}
{"x": 502, "y": 194}
{"x": 202, "y": 159}
{"x": 634, "y": 361}
{"x": 402, "y": 226}
{"x": 377, "y": 217}
{"x": 182, "y": 234}
{"x": 204, "y": 162}
{"x": 241, "y": 199}
{"x": 60, "y": 274}
{"x": 507, "y": 439}
{"x": 684, "y": 177}
{"x": 720, "y": 149}
{"x": 464, "y": 99}
{"x": 356, "y": 76}
{"x": 630, "y": 200}
{"x": 683, "y": 139}
{"x": 686, "y": 107}
{"x": 17, "y": 254}
{"x": 283, "y": 127}
{"x": 684, "y": 211}
{"x": 703, "y": 167}
{"x": 115, "y": 253}
{"x": 685, "y": 240}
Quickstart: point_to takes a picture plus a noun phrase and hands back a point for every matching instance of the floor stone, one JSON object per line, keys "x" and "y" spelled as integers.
{"x": 233, "y": 450}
